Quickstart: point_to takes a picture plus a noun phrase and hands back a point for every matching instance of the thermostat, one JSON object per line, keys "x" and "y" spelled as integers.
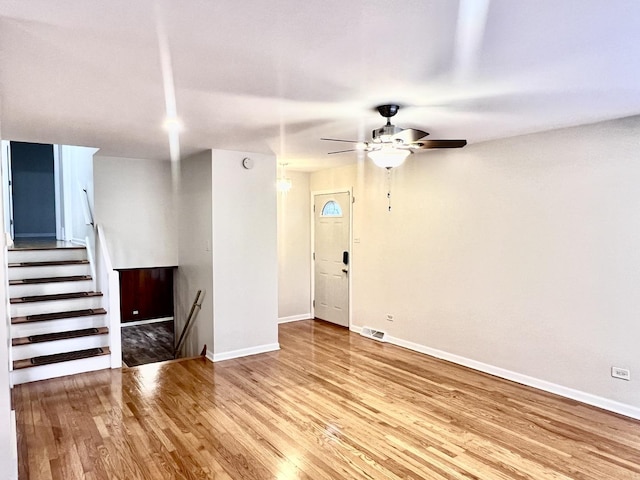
{"x": 247, "y": 163}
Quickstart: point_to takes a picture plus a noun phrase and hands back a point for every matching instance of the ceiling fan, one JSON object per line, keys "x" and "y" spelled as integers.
{"x": 391, "y": 145}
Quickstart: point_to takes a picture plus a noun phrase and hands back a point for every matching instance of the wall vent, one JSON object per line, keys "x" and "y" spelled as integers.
{"x": 373, "y": 333}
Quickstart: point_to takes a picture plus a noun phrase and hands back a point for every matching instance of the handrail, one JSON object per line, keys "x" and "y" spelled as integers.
{"x": 86, "y": 209}
{"x": 190, "y": 318}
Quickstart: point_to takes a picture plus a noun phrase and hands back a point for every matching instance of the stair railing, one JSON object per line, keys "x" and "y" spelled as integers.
{"x": 109, "y": 285}
{"x": 86, "y": 208}
{"x": 190, "y": 318}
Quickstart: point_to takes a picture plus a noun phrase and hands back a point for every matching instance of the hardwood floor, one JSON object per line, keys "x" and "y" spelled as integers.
{"x": 329, "y": 405}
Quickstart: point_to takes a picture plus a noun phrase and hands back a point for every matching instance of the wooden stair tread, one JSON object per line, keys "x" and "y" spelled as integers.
{"x": 56, "y": 296}
{"x": 60, "y": 357}
{"x": 25, "y": 249}
{"x": 42, "y": 317}
{"x": 49, "y": 264}
{"x": 31, "y": 281}
{"x": 50, "y": 337}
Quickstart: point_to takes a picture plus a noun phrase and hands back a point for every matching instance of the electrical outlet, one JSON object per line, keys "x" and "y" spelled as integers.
{"x": 622, "y": 373}
{"x": 389, "y": 317}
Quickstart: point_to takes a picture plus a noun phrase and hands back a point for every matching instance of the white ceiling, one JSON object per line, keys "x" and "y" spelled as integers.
{"x": 276, "y": 76}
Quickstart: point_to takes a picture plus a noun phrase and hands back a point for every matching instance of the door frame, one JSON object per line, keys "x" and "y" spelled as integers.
{"x": 58, "y": 174}
{"x": 7, "y": 188}
{"x": 332, "y": 191}
{"x": 60, "y": 192}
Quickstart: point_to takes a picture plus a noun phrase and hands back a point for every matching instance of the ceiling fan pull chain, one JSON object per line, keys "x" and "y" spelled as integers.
{"x": 389, "y": 187}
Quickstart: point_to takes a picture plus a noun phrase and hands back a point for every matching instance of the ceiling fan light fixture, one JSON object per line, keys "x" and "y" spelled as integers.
{"x": 284, "y": 184}
{"x": 389, "y": 157}
{"x": 173, "y": 125}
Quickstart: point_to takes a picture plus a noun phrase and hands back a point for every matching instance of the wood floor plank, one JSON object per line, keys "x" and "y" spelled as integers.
{"x": 329, "y": 405}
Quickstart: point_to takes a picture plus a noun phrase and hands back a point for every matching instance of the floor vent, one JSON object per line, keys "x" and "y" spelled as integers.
{"x": 375, "y": 334}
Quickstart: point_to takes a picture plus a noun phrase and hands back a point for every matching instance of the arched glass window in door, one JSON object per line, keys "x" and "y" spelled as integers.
{"x": 331, "y": 209}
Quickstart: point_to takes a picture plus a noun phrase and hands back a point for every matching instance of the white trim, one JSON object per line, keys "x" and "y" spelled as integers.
{"x": 348, "y": 190}
{"x": 109, "y": 283}
{"x": 330, "y": 191}
{"x": 13, "y": 473}
{"x": 92, "y": 263}
{"x": 78, "y": 241}
{"x": 295, "y": 318}
{"x": 6, "y": 187}
{"x": 145, "y": 322}
{"x": 57, "y": 191}
{"x": 244, "y": 352}
{"x": 67, "y": 195}
{"x": 580, "y": 396}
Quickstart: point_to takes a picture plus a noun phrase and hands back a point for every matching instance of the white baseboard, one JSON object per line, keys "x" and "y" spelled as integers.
{"x": 295, "y": 318}
{"x": 145, "y": 322}
{"x": 13, "y": 473}
{"x": 79, "y": 241}
{"x": 580, "y": 396}
{"x": 243, "y": 352}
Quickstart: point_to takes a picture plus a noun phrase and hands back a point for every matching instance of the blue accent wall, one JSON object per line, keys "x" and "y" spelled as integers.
{"x": 34, "y": 213}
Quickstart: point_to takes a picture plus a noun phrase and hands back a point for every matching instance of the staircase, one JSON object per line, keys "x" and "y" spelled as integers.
{"x": 58, "y": 325}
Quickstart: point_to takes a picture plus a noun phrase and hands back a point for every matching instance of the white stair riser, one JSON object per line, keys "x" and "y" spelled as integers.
{"x": 51, "y": 288}
{"x": 59, "y": 254}
{"x": 53, "y": 326}
{"x": 53, "y": 306}
{"x": 62, "y": 369}
{"x": 21, "y": 352}
{"x": 20, "y": 273}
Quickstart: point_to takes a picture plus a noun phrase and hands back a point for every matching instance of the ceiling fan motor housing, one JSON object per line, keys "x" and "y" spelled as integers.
{"x": 384, "y": 134}
{"x": 388, "y": 111}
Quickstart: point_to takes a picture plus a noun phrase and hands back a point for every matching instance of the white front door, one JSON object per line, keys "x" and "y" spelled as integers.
{"x": 331, "y": 257}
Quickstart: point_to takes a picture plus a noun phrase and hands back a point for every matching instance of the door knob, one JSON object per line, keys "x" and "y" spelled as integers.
{"x": 345, "y": 270}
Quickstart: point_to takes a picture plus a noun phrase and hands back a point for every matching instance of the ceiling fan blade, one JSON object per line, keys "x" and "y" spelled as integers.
{"x": 425, "y": 144}
{"x": 409, "y": 135}
{"x": 344, "y": 151}
{"x": 338, "y": 140}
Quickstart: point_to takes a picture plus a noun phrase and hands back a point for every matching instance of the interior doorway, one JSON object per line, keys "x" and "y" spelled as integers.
{"x": 147, "y": 315}
{"x": 33, "y": 190}
{"x": 331, "y": 256}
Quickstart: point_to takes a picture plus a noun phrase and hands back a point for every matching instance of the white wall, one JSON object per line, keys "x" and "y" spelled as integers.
{"x": 518, "y": 256}
{"x": 294, "y": 250}
{"x": 195, "y": 271}
{"x": 134, "y": 202}
{"x": 77, "y": 173}
{"x": 245, "y": 256}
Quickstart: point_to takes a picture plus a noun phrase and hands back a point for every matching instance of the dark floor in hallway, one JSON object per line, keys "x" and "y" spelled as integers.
{"x": 150, "y": 343}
